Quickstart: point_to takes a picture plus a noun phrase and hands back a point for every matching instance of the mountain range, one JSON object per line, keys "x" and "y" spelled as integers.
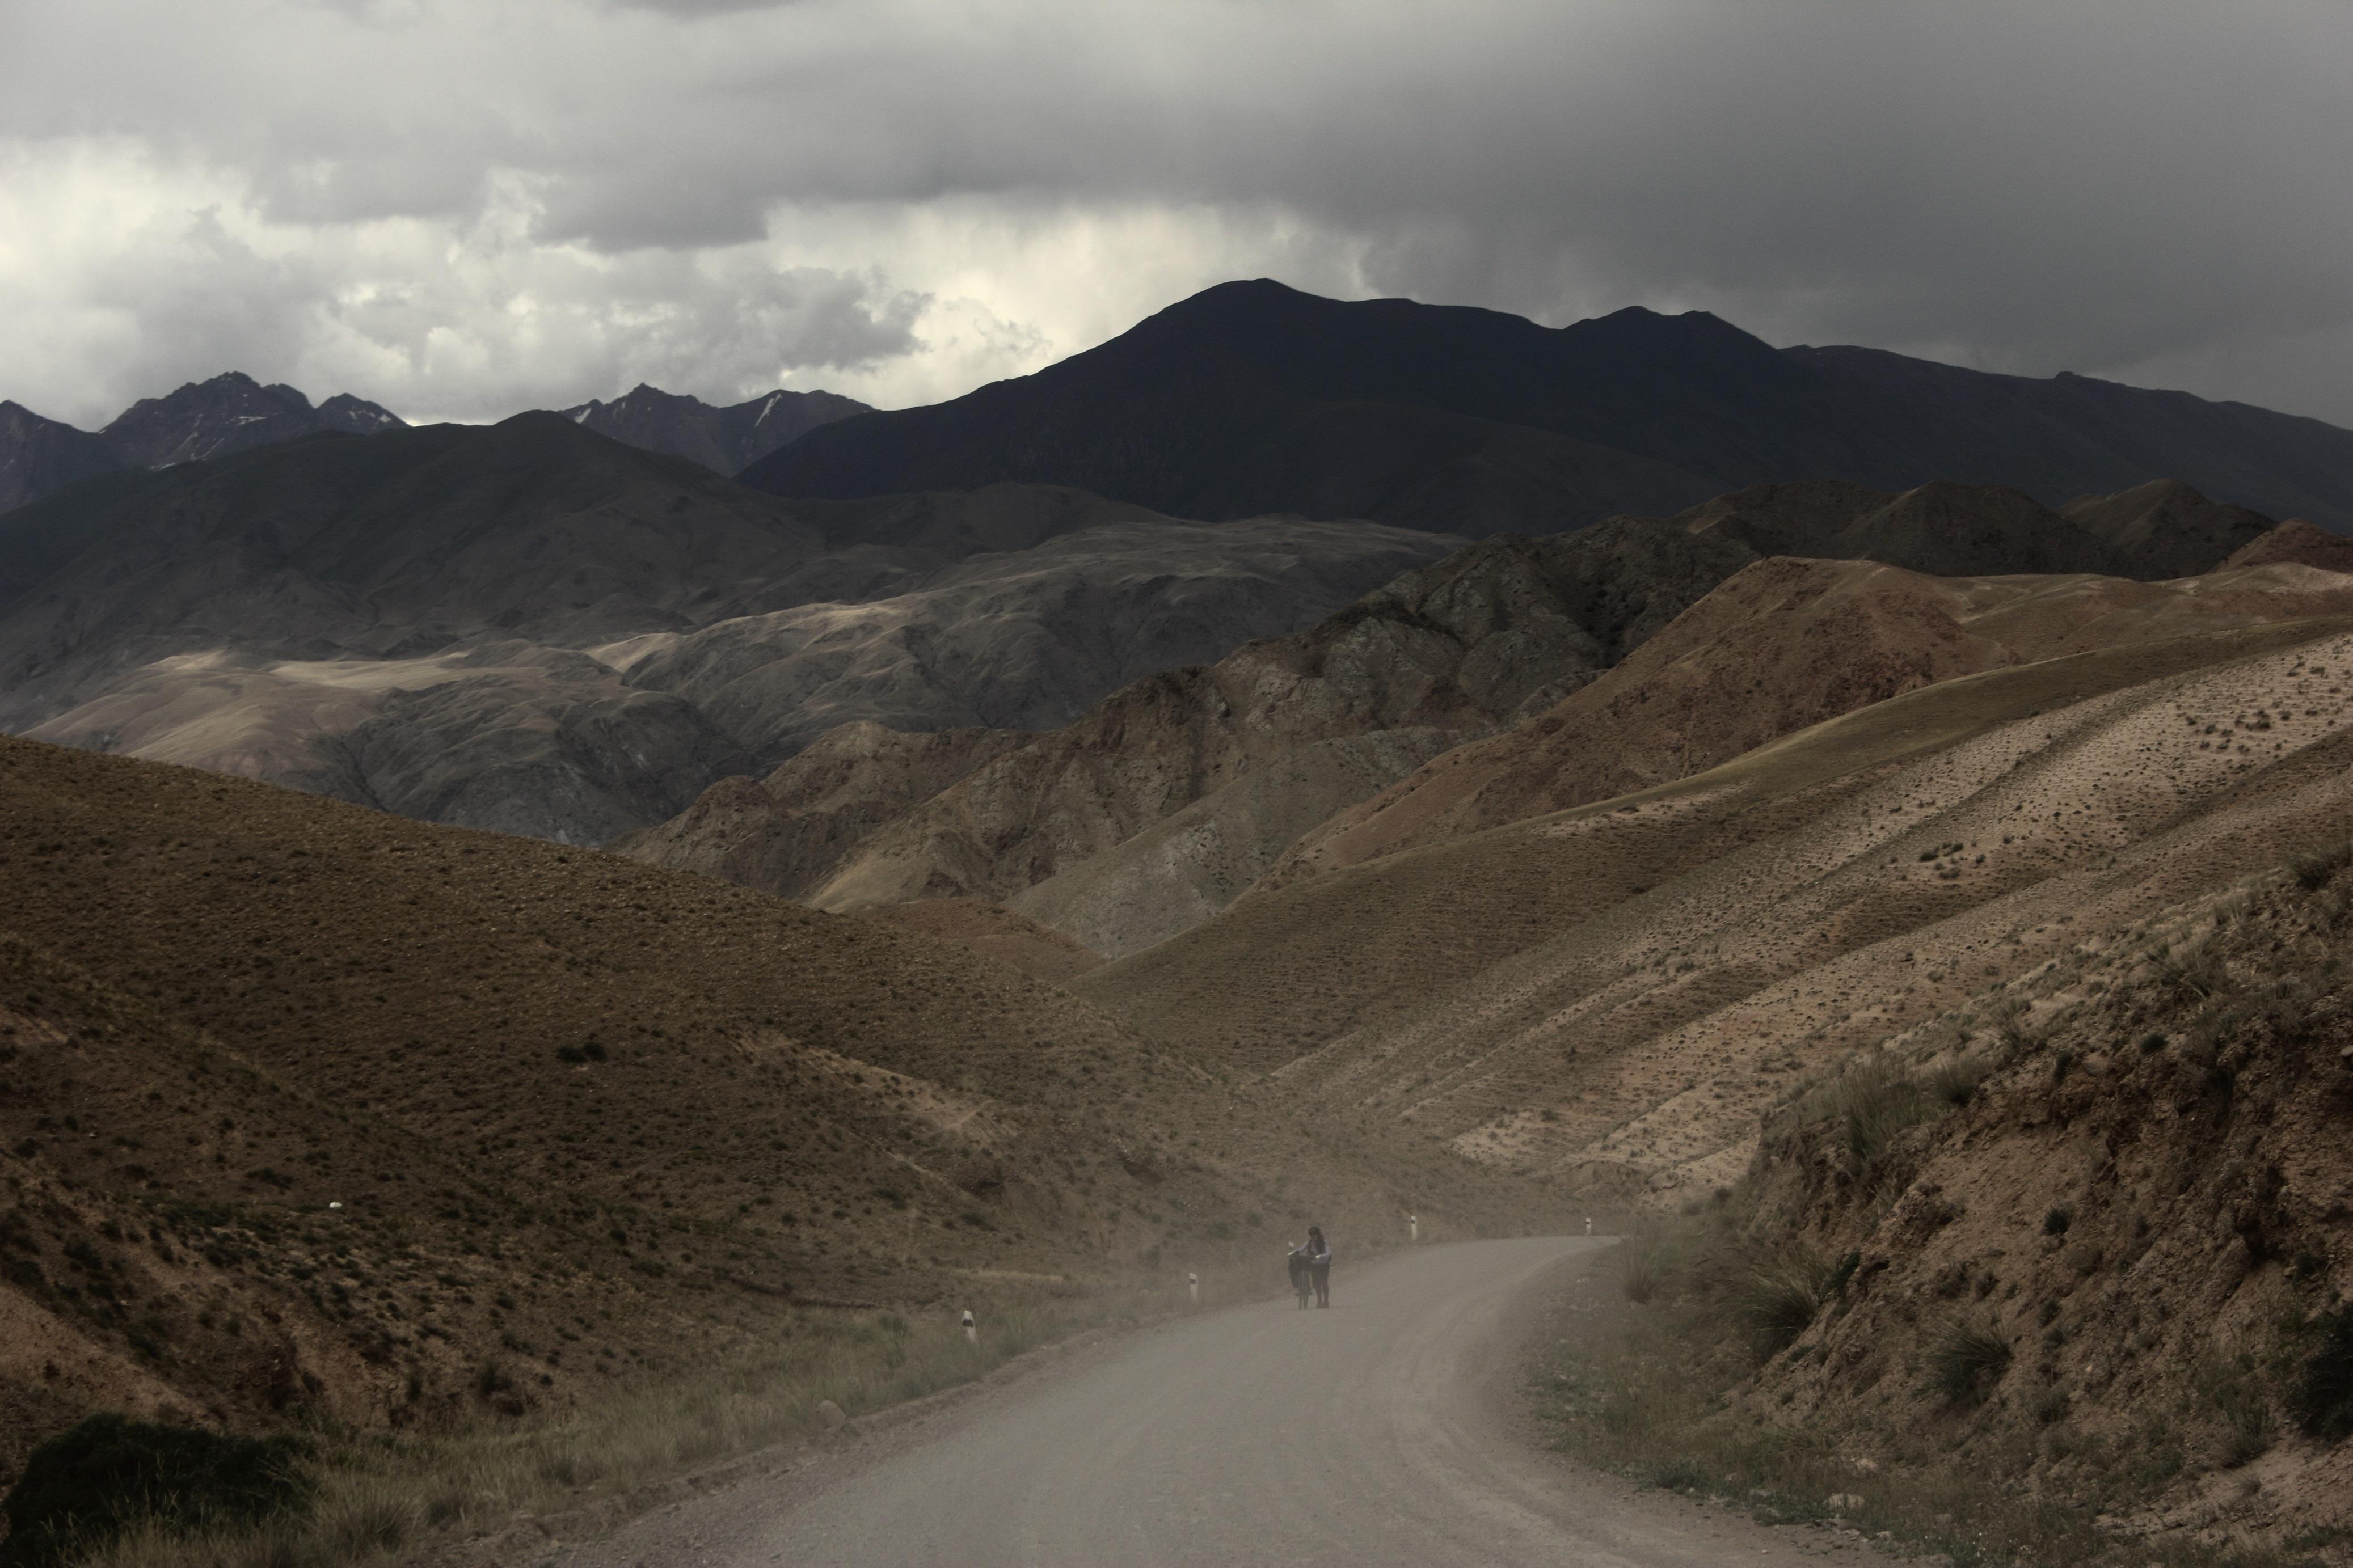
{"x": 233, "y": 413}
{"x": 1251, "y": 397}
{"x": 531, "y": 627}
{"x": 464, "y": 1127}
{"x": 1940, "y": 886}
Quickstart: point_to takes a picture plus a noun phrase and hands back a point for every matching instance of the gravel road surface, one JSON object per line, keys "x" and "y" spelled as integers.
{"x": 1378, "y": 1432}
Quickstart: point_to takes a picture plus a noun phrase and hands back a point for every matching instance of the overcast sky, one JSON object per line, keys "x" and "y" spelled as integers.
{"x": 464, "y": 207}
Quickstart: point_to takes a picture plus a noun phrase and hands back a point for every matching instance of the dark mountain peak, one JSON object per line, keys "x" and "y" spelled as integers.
{"x": 1642, "y": 341}
{"x": 544, "y": 428}
{"x": 231, "y": 413}
{"x": 39, "y": 455}
{"x": 646, "y": 394}
{"x": 725, "y": 440}
{"x": 234, "y": 386}
{"x": 1239, "y": 295}
{"x": 357, "y": 416}
{"x": 1798, "y": 518}
{"x": 1953, "y": 530}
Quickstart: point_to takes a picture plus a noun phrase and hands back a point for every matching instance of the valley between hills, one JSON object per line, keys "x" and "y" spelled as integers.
{"x": 497, "y": 918}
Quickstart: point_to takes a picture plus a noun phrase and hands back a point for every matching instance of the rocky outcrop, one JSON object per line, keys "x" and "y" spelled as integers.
{"x": 1272, "y": 738}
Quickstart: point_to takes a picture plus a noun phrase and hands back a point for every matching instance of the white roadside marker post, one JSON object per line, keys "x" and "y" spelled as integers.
{"x": 971, "y": 1329}
{"x": 1413, "y": 1227}
{"x": 1193, "y": 1283}
{"x": 1589, "y": 1225}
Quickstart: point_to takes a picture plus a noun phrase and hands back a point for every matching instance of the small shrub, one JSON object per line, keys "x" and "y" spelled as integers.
{"x": 2152, "y": 1042}
{"x": 1780, "y": 1300}
{"x": 2323, "y": 1392}
{"x": 2056, "y": 1222}
{"x": 1872, "y": 1104}
{"x": 1680, "y": 1473}
{"x": 493, "y": 1379}
{"x": 1642, "y": 1274}
{"x": 2312, "y": 870}
{"x": 1965, "y": 1361}
{"x": 2230, "y": 1391}
{"x": 371, "y": 1516}
{"x": 1955, "y": 1083}
{"x": 86, "y": 1486}
{"x": 2188, "y": 972}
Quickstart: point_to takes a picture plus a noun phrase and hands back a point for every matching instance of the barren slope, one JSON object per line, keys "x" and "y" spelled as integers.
{"x": 1608, "y": 995}
{"x": 1152, "y": 812}
{"x": 305, "y": 1105}
{"x": 2125, "y": 1171}
{"x": 1783, "y": 645}
{"x": 993, "y": 931}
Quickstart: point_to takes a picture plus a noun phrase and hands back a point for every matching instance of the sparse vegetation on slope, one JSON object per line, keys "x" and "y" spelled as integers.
{"x": 2093, "y": 1309}
{"x": 316, "y": 1114}
{"x": 1653, "y": 971}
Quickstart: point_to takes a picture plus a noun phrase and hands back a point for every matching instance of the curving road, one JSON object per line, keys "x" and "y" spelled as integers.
{"x": 1375, "y": 1433}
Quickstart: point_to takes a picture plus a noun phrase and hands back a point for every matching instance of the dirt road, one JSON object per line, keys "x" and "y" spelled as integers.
{"x": 1376, "y": 1433}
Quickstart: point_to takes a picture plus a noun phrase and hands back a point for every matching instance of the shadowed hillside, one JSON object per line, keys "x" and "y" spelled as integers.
{"x": 534, "y": 629}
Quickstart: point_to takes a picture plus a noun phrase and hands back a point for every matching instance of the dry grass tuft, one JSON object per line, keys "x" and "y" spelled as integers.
{"x": 1965, "y": 1361}
{"x": 2314, "y": 869}
{"x": 1782, "y": 1295}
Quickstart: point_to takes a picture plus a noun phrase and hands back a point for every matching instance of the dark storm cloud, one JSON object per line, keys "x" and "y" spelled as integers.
{"x": 2098, "y": 186}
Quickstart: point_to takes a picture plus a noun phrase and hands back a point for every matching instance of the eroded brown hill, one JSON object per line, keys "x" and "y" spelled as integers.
{"x": 1785, "y": 645}
{"x": 1608, "y": 995}
{"x": 306, "y": 1105}
{"x": 2298, "y": 543}
{"x": 2124, "y": 1172}
{"x": 785, "y": 833}
{"x": 1155, "y": 809}
{"x": 1306, "y": 723}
